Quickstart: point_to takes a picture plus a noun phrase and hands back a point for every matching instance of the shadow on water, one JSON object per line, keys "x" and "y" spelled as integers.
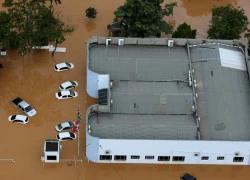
{"x": 90, "y": 26}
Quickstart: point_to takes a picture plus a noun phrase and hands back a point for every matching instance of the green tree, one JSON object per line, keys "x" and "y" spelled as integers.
{"x": 7, "y": 3}
{"x": 169, "y": 8}
{"x": 184, "y": 31}
{"x": 91, "y": 12}
{"x": 227, "y": 23}
{"x": 4, "y": 29}
{"x": 51, "y": 6}
{"x": 247, "y": 35}
{"x": 145, "y": 17}
{"x": 31, "y": 23}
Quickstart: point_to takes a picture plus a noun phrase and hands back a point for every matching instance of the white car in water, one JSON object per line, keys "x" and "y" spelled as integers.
{"x": 68, "y": 85}
{"x": 64, "y": 126}
{"x": 65, "y": 94}
{"x": 22, "y": 119}
{"x": 63, "y": 66}
{"x": 64, "y": 136}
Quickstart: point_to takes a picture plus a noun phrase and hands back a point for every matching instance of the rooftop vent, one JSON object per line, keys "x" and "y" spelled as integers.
{"x": 108, "y": 42}
{"x": 120, "y": 42}
{"x": 170, "y": 43}
{"x": 198, "y": 118}
{"x": 111, "y": 84}
{"x": 193, "y": 108}
{"x": 190, "y": 83}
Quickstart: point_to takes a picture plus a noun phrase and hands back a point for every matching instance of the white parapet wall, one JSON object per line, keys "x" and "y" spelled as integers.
{"x": 194, "y": 152}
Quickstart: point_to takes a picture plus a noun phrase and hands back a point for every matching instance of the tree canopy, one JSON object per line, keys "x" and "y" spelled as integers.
{"x": 184, "y": 31}
{"x": 91, "y": 12}
{"x": 227, "y": 23}
{"x": 32, "y": 23}
{"x": 145, "y": 17}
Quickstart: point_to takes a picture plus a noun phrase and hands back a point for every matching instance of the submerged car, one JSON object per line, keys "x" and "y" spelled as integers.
{"x": 68, "y": 85}
{"x": 64, "y": 136}
{"x": 64, "y": 126}
{"x": 63, "y": 66}
{"x": 65, "y": 94}
{"x": 22, "y": 119}
{"x": 24, "y": 106}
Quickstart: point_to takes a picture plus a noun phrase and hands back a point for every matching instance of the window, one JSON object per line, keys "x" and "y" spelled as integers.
{"x": 135, "y": 157}
{"x": 238, "y": 159}
{"x": 204, "y": 158}
{"x": 163, "y": 158}
{"x": 149, "y": 157}
{"x": 178, "y": 158}
{"x": 105, "y": 157}
{"x": 120, "y": 158}
{"x": 51, "y": 157}
{"x": 220, "y": 158}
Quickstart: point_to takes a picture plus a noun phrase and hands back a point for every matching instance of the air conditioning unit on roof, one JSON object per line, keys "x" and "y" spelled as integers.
{"x": 108, "y": 42}
{"x": 170, "y": 43}
{"x": 120, "y": 42}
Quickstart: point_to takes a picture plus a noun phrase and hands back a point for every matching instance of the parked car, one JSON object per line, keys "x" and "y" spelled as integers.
{"x": 64, "y": 136}
{"x": 24, "y": 106}
{"x": 22, "y": 119}
{"x": 63, "y": 66}
{"x": 65, "y": 94}
{"x": 64, "y": 126}
{"x": 187, "y": 176}
{"x": 68, "y": 85}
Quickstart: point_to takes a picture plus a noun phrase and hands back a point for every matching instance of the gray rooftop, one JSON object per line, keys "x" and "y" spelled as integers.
{"x": 135, "y": 126}
{"x": 140, "y": 63}
{"x": 224, "y": 96}
{"x": 131, "y": 97}
{"x": 151, "y": 96}
{"x": 152, "y": 99}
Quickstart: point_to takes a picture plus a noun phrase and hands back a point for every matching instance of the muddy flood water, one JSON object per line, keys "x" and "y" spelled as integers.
{"x": 34, "y": 79}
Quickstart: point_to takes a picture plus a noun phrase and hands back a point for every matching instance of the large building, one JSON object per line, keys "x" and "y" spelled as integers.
{"x": 172, "y": 101}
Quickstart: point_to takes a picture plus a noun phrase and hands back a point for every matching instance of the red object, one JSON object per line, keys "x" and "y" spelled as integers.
{"x": 77, "y": 123}
{"x": 74, "y": 129}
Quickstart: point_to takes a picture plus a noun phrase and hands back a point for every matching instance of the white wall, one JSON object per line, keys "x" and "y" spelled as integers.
{"x": 157, "y": 148}
{"x": 92, "y": 83}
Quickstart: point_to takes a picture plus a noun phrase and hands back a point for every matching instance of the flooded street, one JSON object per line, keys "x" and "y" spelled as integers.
{"x": 33, "y": 78}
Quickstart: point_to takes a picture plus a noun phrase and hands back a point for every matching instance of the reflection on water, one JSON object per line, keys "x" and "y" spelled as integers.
{"x": 203, "y": 7}
{"x": 90, "y": 26}
{"x": 34, "y": 79}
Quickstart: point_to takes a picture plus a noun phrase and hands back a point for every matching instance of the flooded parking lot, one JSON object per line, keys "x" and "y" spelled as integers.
{"x": 33, "y": 78}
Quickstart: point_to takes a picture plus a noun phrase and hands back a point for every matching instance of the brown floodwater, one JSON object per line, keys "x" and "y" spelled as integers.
{"x": 197, "y": 13}
{"x": 33, "y": 78}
